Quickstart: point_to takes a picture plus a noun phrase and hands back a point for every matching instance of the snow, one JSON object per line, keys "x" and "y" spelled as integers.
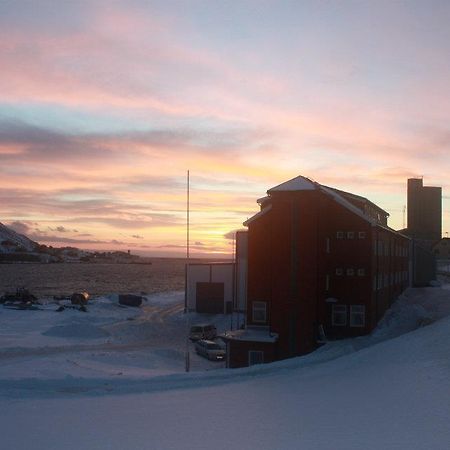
{"x": 389, "y": 390}
{"x": 296, "y": 184}
{"x": 6, "y": 234}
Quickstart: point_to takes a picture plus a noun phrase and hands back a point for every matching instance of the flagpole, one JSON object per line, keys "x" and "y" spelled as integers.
{"x": 186, "y": 309}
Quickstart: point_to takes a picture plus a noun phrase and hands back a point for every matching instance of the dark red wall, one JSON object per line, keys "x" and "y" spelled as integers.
{"x": 292, "y": 249}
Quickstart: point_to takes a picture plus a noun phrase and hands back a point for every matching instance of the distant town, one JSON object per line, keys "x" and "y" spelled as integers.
{"x": 17, "y": 248}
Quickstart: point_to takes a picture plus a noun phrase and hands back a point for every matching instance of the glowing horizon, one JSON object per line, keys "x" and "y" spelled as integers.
{"x": 104, "y": 106}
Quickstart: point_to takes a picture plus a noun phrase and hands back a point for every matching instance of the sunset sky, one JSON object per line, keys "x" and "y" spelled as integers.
{"x": 104, "y": 106}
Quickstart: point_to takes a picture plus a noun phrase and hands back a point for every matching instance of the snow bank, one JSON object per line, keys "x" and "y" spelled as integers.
{"x": 390, "y": 391}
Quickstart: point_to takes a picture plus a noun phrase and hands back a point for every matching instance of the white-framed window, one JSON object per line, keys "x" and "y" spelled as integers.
{"x": 350, "y": 272}
{"x": 339, "y": 235}
{"x": 361, "y": 235}
{"x": 361, "y": 272}
{"x": 357, "y": 315}
{"x": 379, "y": 281}
{"x": 339, "y": 271}
{"x": 259, "y": 312}
{"x": 339, "y": 315}
{"x": 350, "y": 234}
{"x": 255, "y": 357}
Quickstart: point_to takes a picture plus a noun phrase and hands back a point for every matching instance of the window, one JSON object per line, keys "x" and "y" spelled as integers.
{"x": 339, "y": 315}
{"x": 380, "y": 248}
{"x": 255, "y": 357}
{"x": 357, "y": 315}
{"x": 379, "y": 281}
{"x": 340, "y": 235}
{"x": 361, "y": 272}
{"x": 339, "y": 271}
{"x": 350, "y": 234}
{"x": 362, "y": 235}
{"x": 259, "y": 313}
{"x": 350, "y": 272}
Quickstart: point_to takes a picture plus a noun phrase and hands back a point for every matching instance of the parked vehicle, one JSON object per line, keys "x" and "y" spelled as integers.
{"x": 202, "y": 332}
{"x": 21, "y": 295}
{"x": 210, "y": 350}
{"x": 130, "y": 300}
{"x": 79, "y": 298}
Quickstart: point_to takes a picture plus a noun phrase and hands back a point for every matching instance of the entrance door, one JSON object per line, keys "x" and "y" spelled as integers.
{"x": 210, "y": 298}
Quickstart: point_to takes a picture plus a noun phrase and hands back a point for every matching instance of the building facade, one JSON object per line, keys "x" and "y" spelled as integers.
{"x": 322, "y": 263}
{"x": 424, "y": 211}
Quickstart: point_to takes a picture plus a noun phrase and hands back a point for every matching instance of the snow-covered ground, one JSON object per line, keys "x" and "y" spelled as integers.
{"x": 113, "y": 378}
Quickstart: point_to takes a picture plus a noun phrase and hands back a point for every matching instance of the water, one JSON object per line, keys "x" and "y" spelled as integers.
{"x": 164, "y": 274}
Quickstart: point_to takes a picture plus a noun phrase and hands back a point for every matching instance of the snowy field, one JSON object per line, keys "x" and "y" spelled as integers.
{"x": 113, "y": 378}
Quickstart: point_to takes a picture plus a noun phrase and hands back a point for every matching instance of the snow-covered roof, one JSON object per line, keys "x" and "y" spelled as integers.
{"x": 296, "y": 184}
{"x": 344, "y": 202}
{"x": 301, "y": 183}
{"x": 257, "y": 215}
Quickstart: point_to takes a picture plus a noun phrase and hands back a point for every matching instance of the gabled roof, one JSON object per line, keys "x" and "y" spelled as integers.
{"x": 257, "y": 215}
{"x": 296, "y": 184}
{"x": 301, "y": 183}
{"x": 357, "y": 197}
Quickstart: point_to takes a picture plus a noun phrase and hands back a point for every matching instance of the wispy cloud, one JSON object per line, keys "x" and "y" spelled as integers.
{"x": 97, "y": 130}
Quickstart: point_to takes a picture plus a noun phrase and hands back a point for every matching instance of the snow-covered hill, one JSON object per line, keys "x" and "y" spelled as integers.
{"x": 10, "y": 241}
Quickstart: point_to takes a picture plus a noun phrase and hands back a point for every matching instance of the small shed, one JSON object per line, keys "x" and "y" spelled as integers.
{"x": 210, "y": 287}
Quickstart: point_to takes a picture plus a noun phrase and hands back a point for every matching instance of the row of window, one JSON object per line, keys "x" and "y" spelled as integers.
{"x": 354, "y": 315}
{"x": 350, "y": 272}
{"x": 382, "y": 248}
{"x": 385, "y": 279}
{"x": 350, "y": 234}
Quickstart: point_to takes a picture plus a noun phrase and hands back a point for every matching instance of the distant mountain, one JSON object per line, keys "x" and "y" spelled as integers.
{"x": 11, "y": 242}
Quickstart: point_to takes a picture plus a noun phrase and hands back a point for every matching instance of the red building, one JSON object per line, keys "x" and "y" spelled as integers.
{"x": 322, "y": 263}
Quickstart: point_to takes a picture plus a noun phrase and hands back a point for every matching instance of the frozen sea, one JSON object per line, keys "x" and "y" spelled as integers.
{"x": 163, "y": 275}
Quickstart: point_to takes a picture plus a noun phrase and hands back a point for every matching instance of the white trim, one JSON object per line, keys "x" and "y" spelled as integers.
{"x": 259, "y": 308}
{"x": 357, "y": 311}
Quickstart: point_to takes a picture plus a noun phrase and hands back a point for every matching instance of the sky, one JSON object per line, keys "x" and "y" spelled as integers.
{"x": 105, "y": 105}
